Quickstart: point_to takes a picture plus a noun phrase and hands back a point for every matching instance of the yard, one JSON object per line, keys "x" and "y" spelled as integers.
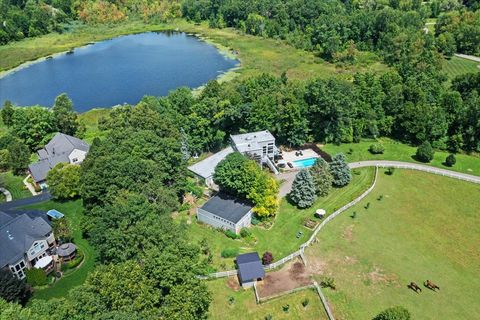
{"x": 281, "y": 238}
{"x": 402, "y": 152}
{"x": 417, "y": 226}
{"x": 14, "y": 184}
{"x": 457, "y": 66}
{"x": 243, "y": 304}
{"x": 73, "y": 211}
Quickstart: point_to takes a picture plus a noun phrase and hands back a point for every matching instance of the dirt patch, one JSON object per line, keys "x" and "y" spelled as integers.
{"x": 348, "y": 233}
{"x": 378, "y": 276}
{"x": 291, "y": 276}
{"x": 233, "y": 284}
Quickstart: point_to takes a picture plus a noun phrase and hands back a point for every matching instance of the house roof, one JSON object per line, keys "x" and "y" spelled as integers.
{"x": 18, "y": 234}
{"x": 249, "y": 141}
{"x": 206, "y": 167}
{"x": 55, "y": 152}
{"x": 227, "y": 207}
{"x": 250, "y": 267}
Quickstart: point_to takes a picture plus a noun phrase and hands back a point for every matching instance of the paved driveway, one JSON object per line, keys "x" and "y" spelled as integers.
{"x": 12, "y": 205}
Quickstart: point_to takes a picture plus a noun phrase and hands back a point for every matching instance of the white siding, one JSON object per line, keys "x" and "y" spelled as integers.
{"x": 218, "y": 222}
{"x": 77, "y": 156}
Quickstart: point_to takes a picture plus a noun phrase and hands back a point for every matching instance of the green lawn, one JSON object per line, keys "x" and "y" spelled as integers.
{"x": 90, "y": 119}
{"x": 401, "y": 152}
{"x": 245, "y": 307}
{"x": 257, "y": 54}
{"x": 424, "y": 227}
{"x": 457, "y": 66}
{"x": 281, "y": 238}
{"x": 73, "y": 211}
{"x": 15, "y": 185}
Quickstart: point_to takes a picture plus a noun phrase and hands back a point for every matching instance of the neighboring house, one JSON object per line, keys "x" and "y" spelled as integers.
{"x": 61, "y": 149}
{"x": 204, "y": 169}
{"x": 24, "y": 241}
{"x": 259, "y": 146}
{"x": 226, "y": 212}
{"x": 250, "y": 269}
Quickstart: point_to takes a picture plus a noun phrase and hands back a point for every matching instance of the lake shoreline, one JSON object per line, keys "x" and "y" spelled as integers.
{"x": 221, "y": 49}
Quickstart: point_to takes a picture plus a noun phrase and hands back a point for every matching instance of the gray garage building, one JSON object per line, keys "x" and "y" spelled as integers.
{"x": 226, "y": 212}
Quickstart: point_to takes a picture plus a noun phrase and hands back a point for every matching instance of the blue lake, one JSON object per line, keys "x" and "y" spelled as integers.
{"x": 117, "y": 71}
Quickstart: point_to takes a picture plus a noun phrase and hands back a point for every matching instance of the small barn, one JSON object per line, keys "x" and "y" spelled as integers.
{"x": 250, "y": 269}
{"x": 226, "y": 212}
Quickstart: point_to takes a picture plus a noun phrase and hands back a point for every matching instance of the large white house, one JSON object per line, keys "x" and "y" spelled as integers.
{"x": 24, "y": 241}
{"x": 258, "y": 145}
{"x": 61, "y": 149}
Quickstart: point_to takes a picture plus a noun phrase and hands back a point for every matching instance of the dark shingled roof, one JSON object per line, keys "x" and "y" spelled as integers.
{"x": 56, "y": 151}
{"x": 227, "y": 207}
{"x": 250, "y": 267}
{"x": 18, "y": 234}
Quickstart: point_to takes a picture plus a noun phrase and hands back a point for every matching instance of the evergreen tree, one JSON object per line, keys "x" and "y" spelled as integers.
{"x": 425, "y": 152}
{"x": 450, "y": 160}
{"x": 340, "y": 170}
{"x": 65, "y": 117}
{"x": 7, "y": 113}
{"x": 303, "y": 190}
{"x": 322, "y": 178}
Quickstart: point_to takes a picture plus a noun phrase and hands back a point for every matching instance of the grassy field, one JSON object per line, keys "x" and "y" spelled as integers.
{"x": 401, "y": 152}
{"x": 257, "y": 54}
{"x": 73, "y": 211}
{"x": 90, "y": 120}
{"x": 424, "y": 227}
{"x": 457, "y": 66}
{"x": 15, "y": 185}
{"x": 281, "y": 238}
{"x": 245, "y": 307}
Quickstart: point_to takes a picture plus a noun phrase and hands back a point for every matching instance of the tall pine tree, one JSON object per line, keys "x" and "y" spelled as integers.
{"x": 340, "y": 170}
{"x": 322, "y": 178}
{"x": 303, "y": 190}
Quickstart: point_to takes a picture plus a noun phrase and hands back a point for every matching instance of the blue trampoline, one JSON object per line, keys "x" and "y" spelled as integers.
{"x": 54, "y": 214}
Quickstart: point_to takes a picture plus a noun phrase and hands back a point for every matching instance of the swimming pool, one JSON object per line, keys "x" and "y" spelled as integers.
{"x": 304, "y": 163}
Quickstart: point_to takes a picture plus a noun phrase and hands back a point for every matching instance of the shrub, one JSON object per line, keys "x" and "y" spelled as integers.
{"x": 229, "y": 252}
{"x": 286, "y": 307}
{"x": 245, "y": 232}
{"x": 328, "y": 283}
{"x": 305, "y": 302}
{"x": 390, "y": 171}
{"x": 231, "y": 234}
{"x": 425, "y": 152}
{"x": 394, "y": 313}
{"x": 450, "y": 160}
{"x": 231, "y": 300}
{"x": 376, "y": 148}
{"x": 75, "y": 262}
{"x": 267, "y": 258}
{"x": 36, "y": 277}
{"x": 268, "y": 317}
{"x": 255, "y": 221}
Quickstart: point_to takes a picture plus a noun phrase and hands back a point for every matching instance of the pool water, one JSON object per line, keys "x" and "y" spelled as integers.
{"x": 304, "y": 163}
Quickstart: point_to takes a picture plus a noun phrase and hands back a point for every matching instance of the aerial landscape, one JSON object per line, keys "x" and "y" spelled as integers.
{"x": 239, "y": 159}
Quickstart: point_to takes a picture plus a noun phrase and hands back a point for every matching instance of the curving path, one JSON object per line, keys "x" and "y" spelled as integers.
{"x": 7, "y": 194}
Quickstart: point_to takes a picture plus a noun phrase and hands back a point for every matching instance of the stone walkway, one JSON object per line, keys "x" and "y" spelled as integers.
{"x": 29, "y": 186}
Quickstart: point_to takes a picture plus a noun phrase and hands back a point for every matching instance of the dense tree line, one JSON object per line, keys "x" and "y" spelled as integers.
{"x": 413, "y": 107}
{"x": 30, "y": 18}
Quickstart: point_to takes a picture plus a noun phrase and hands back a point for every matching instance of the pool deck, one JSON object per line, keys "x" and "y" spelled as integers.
{"x": 291, "y": 157}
